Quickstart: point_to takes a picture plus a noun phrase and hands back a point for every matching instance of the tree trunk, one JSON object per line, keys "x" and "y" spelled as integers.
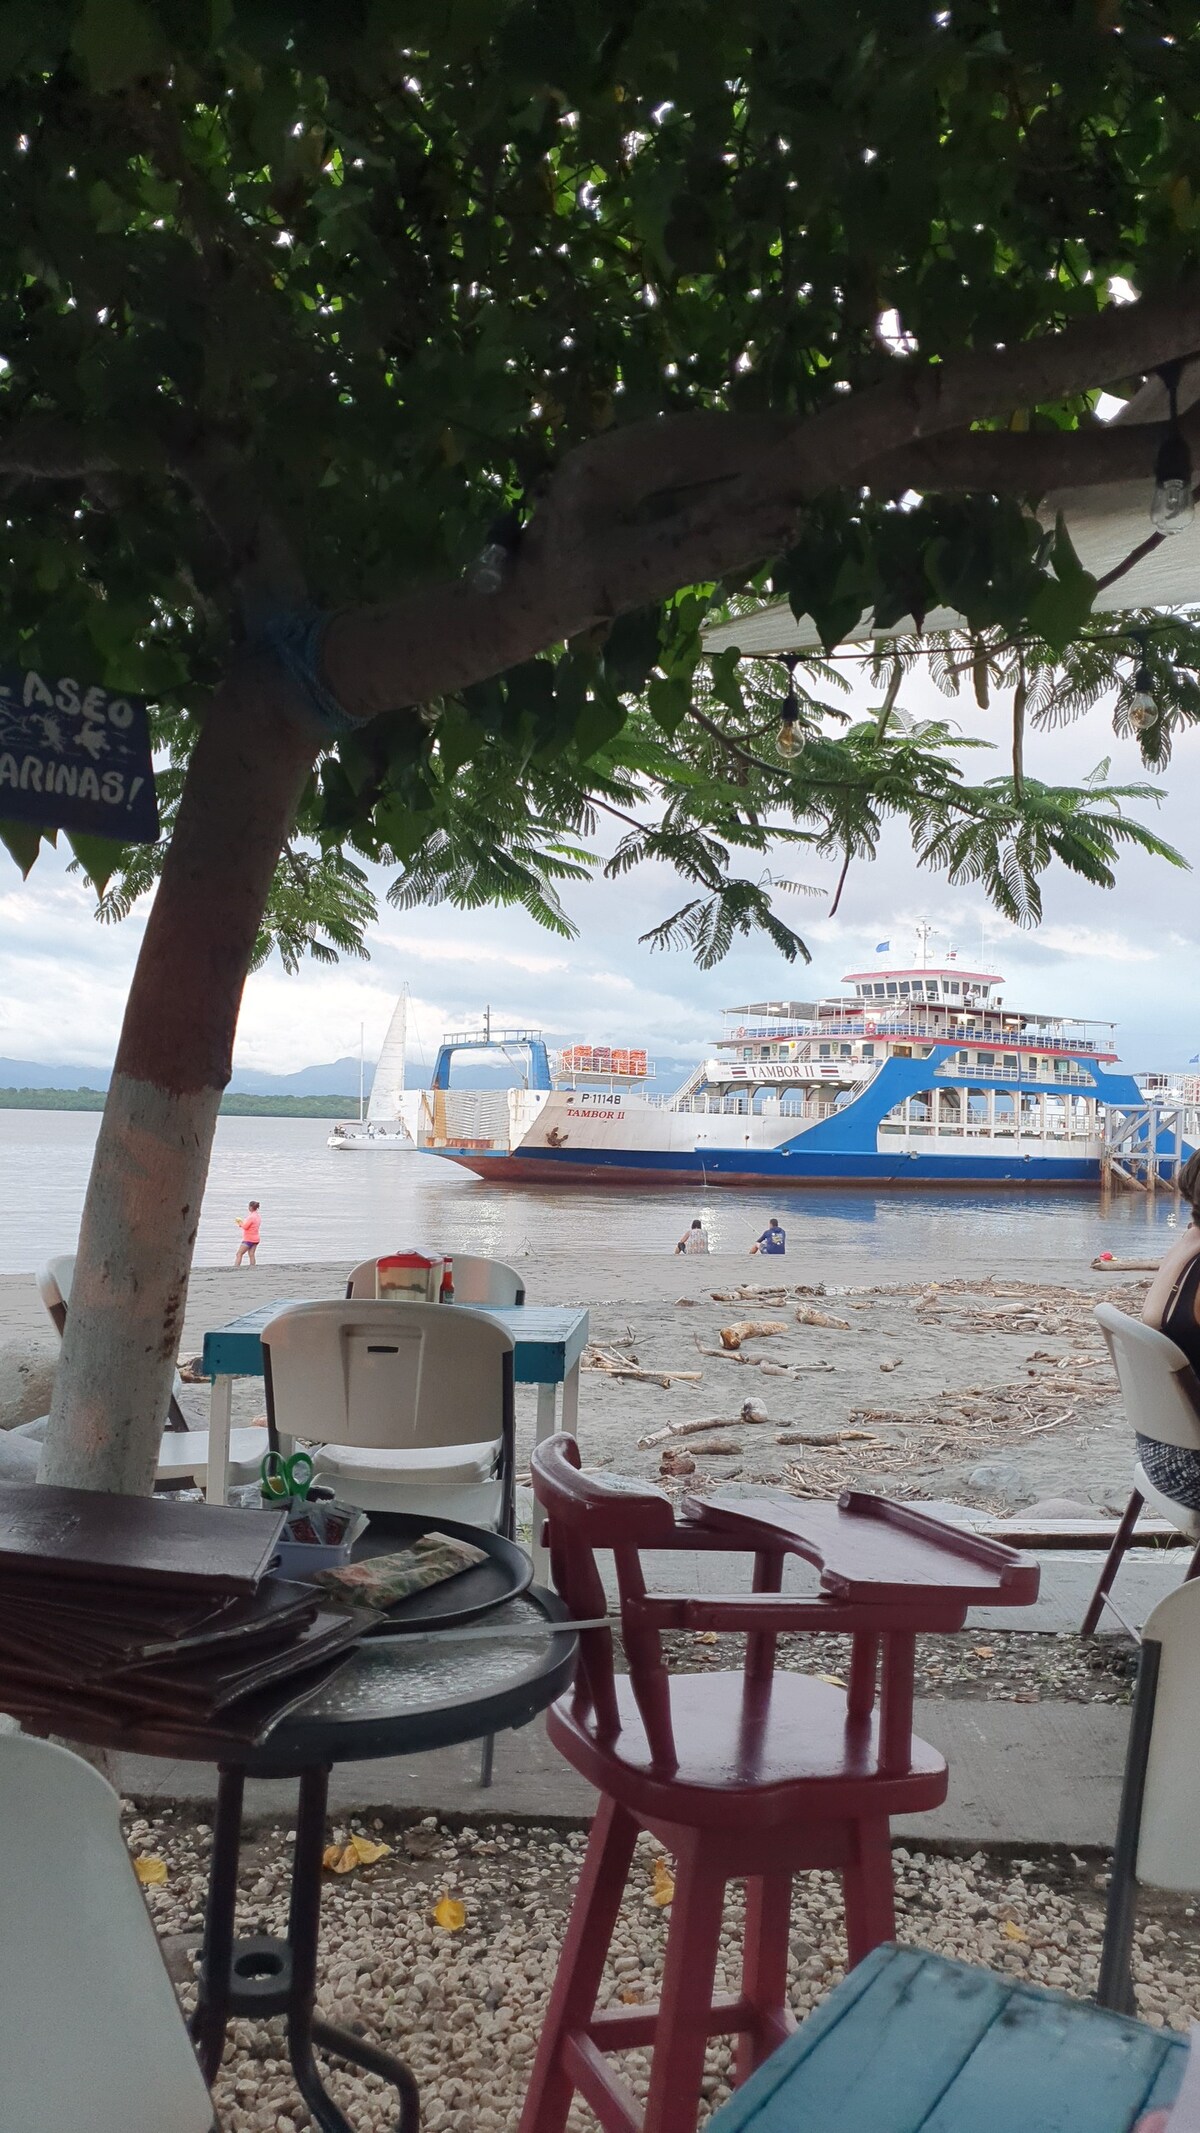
{"x": 140, "y": 1216}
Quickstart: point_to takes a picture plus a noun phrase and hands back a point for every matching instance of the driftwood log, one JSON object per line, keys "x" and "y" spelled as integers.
{"x": 695, "y": 1429}
{"x": 1107, "y": 1265}
{"x": 745, "y": 1329}
{"x": 837, "y": 1436}
{"x": 807, "y": 1315}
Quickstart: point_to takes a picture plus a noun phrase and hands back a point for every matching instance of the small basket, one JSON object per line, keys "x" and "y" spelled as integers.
{"x": 301, "y": 1560}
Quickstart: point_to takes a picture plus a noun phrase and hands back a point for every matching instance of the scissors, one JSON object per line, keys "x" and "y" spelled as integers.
{"x": 286, "y": 1477}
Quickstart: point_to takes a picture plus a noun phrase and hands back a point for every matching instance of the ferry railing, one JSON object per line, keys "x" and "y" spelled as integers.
{"x": 880, "y": 1027}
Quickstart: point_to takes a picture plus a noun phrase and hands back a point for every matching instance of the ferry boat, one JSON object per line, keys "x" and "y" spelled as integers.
{"x": 918, "y": 1075}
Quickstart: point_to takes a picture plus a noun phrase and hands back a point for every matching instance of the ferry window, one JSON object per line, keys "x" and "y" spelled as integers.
{"x": 822, "y": 1051}
{"x": 904, "y": 988}
{"x": 954, "y": 985}
{"x": 960, "y": 1059}
{"x": 868, "y": 1051}
{"x": 1010, "y": 1063}
{"x": 987, "y": 1061}
{"x": 747, "y": 1051}
{"x": 846, "y": 1051}
{"x": 891, "y": 991}
{"x": 879, "y": 991}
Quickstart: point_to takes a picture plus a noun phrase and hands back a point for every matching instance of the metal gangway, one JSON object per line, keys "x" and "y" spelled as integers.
{"x": 1146, "y": 1145}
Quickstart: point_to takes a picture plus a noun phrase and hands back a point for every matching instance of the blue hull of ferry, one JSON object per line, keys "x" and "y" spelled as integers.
{"x": 775, "y": 1167}
{"x": 841, "y": 1149}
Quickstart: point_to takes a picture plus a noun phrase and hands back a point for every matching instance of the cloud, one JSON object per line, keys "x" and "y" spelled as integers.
{"x": 1127, "y": 955}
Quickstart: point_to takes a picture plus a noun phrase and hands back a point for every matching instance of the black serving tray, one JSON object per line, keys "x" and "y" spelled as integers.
{"x": 507, "y": 1573}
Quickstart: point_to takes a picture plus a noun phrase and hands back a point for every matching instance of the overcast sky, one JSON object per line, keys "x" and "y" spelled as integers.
{"x": 1131, "y": 955}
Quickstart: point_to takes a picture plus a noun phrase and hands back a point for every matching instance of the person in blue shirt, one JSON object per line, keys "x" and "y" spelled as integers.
{"x": 773, "y": 1238}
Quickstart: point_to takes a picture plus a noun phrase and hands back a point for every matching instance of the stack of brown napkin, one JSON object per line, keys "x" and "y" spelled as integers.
{"x": 133, "y": 1617}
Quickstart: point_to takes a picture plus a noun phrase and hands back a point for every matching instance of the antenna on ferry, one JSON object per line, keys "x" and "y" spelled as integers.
{"x": 487, "y": 1023}
{"x": 923, "y": 932}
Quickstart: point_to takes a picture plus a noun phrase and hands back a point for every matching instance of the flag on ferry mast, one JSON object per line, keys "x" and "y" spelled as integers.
{"x": 881, "y": 947}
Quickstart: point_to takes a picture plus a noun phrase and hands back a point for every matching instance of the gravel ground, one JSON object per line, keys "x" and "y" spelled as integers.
{"x": 464, "y": 2007}
{"x": 996, "y": 1666}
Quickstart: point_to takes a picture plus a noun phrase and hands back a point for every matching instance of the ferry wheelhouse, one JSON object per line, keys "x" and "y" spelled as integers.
{"x": 914, "y": 1076}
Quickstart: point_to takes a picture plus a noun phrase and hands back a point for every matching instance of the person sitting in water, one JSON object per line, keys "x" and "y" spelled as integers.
{"x": 693, "y": 1239}
{"x": 773, "y": 1238}
{"x": 1173, "y": 1307}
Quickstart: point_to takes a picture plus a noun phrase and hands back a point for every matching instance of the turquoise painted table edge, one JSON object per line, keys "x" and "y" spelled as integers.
{"x": 549, "y": 1340}
{"x": 911, "y": 2042}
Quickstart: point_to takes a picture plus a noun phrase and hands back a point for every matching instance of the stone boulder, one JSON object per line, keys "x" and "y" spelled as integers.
{"x": 27, "y": 1367}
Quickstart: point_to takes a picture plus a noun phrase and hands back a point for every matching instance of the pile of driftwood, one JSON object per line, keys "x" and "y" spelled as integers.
{"x": 683, "y": 1443}
{"x": 614, "y": 1364}
{"x": 1020, "y": 1307}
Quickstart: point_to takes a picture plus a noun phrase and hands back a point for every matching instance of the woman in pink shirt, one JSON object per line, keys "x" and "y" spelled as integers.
{"x": 251, "y": 1229}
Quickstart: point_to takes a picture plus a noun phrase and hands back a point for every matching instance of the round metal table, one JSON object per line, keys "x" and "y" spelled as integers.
{"x": 395, "y": 1696}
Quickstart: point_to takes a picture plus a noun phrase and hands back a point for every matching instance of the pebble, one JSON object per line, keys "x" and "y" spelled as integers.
{"x": 465, "y": 2009}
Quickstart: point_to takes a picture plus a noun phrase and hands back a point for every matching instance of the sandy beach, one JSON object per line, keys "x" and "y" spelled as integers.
{"x": 934, "y": 1375}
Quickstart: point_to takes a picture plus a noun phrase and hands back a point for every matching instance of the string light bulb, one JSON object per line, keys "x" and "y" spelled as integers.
{"x": 1142, "y": 706}
{"x": 790, "y": 738}
{"x": 1172, "y": 507}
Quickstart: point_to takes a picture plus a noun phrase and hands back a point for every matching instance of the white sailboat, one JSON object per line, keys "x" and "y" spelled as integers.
{"x": 381, "y": 1125}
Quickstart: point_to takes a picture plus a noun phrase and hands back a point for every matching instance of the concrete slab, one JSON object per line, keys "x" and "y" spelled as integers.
{"x": 1021, "y": 1774}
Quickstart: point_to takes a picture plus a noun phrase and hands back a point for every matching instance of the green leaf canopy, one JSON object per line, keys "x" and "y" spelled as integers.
{"x": 309, "y": 308}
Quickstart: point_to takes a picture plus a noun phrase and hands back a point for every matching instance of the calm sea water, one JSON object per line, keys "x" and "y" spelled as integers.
{"x": 319, "y": 1205}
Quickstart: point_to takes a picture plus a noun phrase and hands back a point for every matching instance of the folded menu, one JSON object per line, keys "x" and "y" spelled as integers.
{"x": 131, "y": 1620}
{"x": 132, "y": 1540}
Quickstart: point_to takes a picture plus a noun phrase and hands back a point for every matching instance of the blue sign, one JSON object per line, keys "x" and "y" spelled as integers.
{"x": 75, "y": 758}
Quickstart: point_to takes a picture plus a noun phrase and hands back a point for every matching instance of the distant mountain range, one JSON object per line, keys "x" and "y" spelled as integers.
{"x": 338, "y": 1078}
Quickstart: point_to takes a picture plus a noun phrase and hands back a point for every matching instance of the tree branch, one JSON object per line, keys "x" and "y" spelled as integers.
{"x": 1029, "y": 463}
{"x": 42, "y": 447}
{"x": 631, "y": 516}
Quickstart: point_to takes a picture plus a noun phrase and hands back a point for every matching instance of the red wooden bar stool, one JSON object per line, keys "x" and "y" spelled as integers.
{"x": 748, "y": 1776}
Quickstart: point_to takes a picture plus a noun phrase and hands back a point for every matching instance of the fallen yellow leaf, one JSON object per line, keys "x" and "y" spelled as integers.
{"x": 982, "y": 1651}
{"x": 663, "y": 1888}
{"x": 706, "y": 1636}
{"x": 449, "y": 1913}
{"x": 836, "y": 1681}
{"x": 631, "y": 1997}
{"x": 1011, "y": 1930}
{"x": 150, "y": 1870}
{"x": 357, "y": 1851}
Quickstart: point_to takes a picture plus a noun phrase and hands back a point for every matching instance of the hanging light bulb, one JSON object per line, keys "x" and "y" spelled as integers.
{"x": 790, "y": 738}
{"x": 1172, "y": 507}
{"x": 1142, "y": 707}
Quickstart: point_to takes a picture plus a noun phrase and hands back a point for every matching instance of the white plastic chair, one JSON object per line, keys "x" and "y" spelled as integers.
{"x": 91, "y": 2034}
{"x": 476, "y": 1281}
{"x": 183, "y": 1453}
{"x": 410, "y": 1403}
{"x": 1158, "y": 1827}
{"x": 1162, "y": 1400}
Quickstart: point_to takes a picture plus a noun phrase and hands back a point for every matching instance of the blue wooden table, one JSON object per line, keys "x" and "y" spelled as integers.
{"x": 548, "y": 1343}
{"x": 911, "y": 2043}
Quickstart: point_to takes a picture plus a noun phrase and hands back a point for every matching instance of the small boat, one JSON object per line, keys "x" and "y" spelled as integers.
{"x": 380, "y": 1124}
